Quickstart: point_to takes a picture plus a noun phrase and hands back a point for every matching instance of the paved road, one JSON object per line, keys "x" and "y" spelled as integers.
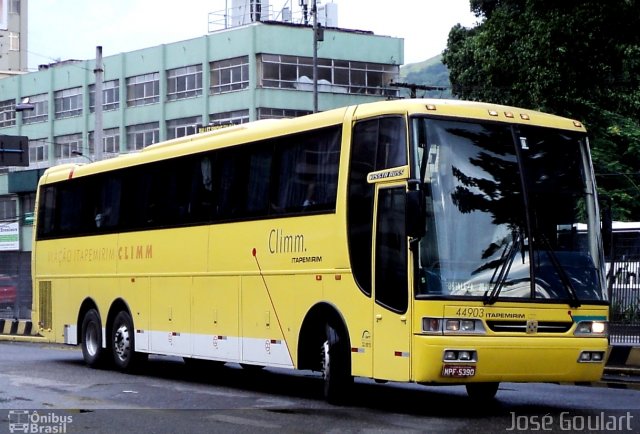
{"x": 47, "y": 386}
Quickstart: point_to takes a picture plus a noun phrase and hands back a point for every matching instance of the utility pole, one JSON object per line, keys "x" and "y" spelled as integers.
{"x": 97, "y": 132}
{"x": 314, "y": 11}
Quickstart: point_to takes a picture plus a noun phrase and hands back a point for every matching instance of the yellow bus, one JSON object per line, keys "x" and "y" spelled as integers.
{"x": 425, "y": 241}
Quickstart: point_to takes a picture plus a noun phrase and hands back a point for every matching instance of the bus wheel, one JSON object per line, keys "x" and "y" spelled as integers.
{"x": 482, "y": 391}
{"x": 123, "y": 343}
{"x": 91, "y": 330}
{"x": 336, "y": 372}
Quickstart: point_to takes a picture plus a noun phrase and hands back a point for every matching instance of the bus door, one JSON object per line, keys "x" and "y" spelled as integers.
{"x": 391, "y": 309}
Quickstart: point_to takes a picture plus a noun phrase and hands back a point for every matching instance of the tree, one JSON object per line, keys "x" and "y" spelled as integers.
{"x": 575, "y": 58}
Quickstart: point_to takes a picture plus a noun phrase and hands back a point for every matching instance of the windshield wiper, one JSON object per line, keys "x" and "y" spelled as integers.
{"x": 574, "y": 300}
{"x": 507, "y": 258}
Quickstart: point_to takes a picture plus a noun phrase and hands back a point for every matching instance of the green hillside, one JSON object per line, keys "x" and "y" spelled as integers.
{"x": 430, "y": 72}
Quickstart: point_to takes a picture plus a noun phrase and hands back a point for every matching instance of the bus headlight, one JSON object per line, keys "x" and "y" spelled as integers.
{"x": 464, "y": 355}
{"x": 452, "y": 326}
{"x": 468, "y": 325}
{"x": 463, "y": 326}
{"x": 598, "y": 327}
{"x": 591, "y": 328}
{"x": 451, "y": 355}
{"x": 591, "y": 357}
{"x": 432, "y": 325}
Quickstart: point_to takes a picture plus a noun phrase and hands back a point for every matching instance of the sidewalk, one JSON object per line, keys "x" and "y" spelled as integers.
{"x": 19, "y": 330}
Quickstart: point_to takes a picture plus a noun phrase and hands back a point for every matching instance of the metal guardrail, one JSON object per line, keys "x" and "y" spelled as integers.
{"x": 624, "y": 290}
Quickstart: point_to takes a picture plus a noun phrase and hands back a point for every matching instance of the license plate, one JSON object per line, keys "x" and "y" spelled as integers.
{"x": 458, "y": 371}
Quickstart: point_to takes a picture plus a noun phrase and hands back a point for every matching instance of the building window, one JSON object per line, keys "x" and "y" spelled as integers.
{"x": 233, "y": 117}
{"x": 183, "y": 127}
{"x": 69, "y": 146}
{"x": 68, "y": 102}
{"x": 27, "y": 207}
{"x": 110, "y": 95}
{"x": 14, "y": 7}
{"x": 14, "y": 41}
{"x": 38, "y": 150}
{"x": 143, "y": 89}
{"x": 275, "y": 113}
{"x": 40, "y": 112}
{"x": 142, "y": 135}
{"x": 229, "y": 75}
{"x": 7, "y": 113}
{"x": 110, "y": 140}
{"x": 285, "y": 71}
{"x": 336, "y": 76}
{"x": 8, "y": 208}
{"x": 185, "y": 82}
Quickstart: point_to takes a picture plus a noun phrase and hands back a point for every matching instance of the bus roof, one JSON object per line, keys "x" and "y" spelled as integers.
{"x": 472, "y": 110}
{"x": 264, "y": 129}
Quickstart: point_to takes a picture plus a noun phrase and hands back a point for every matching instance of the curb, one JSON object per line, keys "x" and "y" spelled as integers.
{"x": 626, "y": 358}
{"x": 13, "y": 327}
{"x": 614, "y": 379}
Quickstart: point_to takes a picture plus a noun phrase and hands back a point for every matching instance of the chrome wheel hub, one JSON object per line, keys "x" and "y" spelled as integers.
{"x": 122, "y": 342}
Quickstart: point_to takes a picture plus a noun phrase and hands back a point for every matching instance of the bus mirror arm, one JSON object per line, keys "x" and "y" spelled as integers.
{"x": 415, "y": 210}
{"x": 607, "y": 227}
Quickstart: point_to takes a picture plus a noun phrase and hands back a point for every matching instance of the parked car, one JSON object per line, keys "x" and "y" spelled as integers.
{"x": 8, "y": 292}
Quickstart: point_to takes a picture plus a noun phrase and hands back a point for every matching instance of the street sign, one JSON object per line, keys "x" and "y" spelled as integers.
{"x": 14, "y": 151}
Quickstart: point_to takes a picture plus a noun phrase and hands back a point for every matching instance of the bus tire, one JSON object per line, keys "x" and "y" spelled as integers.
{"x": 91, "y": 333}
{"x": 336, "y": 369}
{"x": 482, "y": 391}
{"x": 123, "y": 343}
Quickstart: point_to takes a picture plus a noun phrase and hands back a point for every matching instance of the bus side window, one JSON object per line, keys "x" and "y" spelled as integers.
{"x": 392, "y": 145}
{"x": 201, "y": 197}
{"x": 377, "y": 144}
{"x": 75, "y": 208}
{"x": 107, "y": 208}
{"x": 306, "y": 172}
{"x": 135, "y": 198}
{"x": 229, "y": 165}
{"x": 47, "y": 211}
{"x": 257, "y": 182}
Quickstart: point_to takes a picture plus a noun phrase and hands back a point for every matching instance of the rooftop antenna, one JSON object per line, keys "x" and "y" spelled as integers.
{"x": 413, "y": 87}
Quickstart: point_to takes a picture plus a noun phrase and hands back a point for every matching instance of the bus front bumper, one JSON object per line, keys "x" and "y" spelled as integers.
{"x": 463, "y": 359}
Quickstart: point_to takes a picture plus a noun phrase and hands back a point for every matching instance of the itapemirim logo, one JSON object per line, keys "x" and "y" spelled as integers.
{"x": 32, "y": 422}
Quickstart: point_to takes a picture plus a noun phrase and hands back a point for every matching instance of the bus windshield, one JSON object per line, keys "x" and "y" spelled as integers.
{"x": 503, "y": 205}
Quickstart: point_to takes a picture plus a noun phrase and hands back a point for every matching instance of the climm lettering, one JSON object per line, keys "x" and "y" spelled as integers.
{"x": 126, "y": 253}
{"x": 280, "y": 242}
